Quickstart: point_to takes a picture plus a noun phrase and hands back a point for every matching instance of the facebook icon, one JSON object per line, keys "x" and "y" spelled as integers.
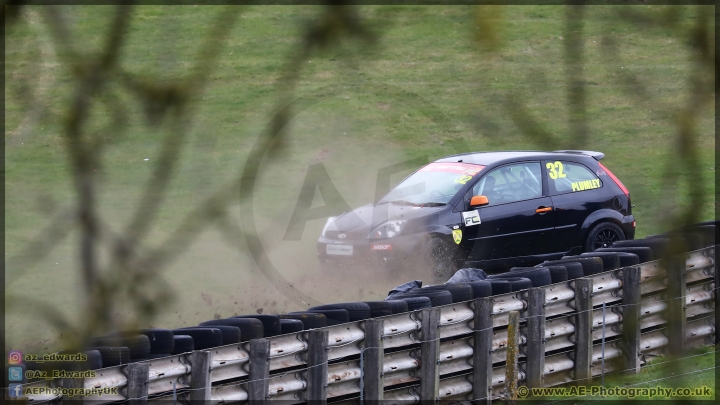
{"x": 15, "y": 390}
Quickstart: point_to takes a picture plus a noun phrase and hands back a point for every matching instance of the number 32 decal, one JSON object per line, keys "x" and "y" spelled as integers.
{"x": 556, "y": 170}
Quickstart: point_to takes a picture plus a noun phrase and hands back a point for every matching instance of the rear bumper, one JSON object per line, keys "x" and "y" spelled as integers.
{"x": 627, "y": 226}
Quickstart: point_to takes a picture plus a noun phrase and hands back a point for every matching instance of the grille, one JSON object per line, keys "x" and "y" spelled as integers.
{"x": 348, "y": 235}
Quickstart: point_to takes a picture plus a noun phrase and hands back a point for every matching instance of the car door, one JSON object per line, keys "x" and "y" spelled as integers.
{"x": 576, "y": 192}
{"x": 516, "y": 220}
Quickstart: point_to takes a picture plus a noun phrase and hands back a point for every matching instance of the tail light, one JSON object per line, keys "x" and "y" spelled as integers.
{"x": 616, "y": 180}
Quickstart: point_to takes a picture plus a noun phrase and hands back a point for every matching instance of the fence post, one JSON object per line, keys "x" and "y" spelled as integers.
{"x": 583, "y": 330}
{"x": 373, "y": 364}
{"x": 137, "y": 380}
{"x": 676, "y": 289}
{"x": 535, "y": 360}
{"x": 511, "y": 360}
{"x": 73, "y": 383}
{"x": 259, "y": 370}
{"x": 631, "y": 318}
{"x": 482, "y": 359}
{"x": 317, "y": 366}
{"x": 429, "y": 352}
{"x": 200, "y": 376}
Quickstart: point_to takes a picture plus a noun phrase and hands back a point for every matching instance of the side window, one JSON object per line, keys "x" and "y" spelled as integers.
{"x": 568, "y": 177}
{"x": 516, "y": 182}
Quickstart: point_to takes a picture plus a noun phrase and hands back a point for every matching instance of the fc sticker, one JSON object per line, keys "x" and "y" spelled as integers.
{"x": 457, "y": 235}
{"x": 471, "y": 218}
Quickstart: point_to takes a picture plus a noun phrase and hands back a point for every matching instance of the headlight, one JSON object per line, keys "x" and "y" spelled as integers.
{"x": 329, "y": 221}
{"x": 388, "y": 229}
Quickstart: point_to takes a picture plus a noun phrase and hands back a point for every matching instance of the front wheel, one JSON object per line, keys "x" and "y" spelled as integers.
{"x": 440, "y": 256}
{"x": 603, "y": 235}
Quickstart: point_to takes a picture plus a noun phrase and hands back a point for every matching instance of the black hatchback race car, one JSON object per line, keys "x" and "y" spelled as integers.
{"x": 489, "y": 210}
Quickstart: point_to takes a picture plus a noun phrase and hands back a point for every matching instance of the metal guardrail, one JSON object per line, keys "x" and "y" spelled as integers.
{"x": 288, "y": 357}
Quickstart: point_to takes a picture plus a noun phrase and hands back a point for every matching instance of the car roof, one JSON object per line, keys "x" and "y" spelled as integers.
{"x": 488, "y": 158}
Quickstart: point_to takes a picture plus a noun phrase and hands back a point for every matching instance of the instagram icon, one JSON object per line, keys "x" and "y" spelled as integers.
{"x": 14, "y": 357}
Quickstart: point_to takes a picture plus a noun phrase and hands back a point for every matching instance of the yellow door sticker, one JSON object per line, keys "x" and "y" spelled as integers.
{"x": 457, "y": 235}
{"x": 585, "y": 185}
{"x": 555, "y": 170}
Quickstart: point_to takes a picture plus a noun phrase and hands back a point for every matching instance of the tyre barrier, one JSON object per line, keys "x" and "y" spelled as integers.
{"x": 459, "y": 291}
{"x": 538, "y": 276}
{"x": 271, "y": 323}
{"x": 138, "y": 345}
{"x": 183, "y": 344}
{"x": 310, "y": 320}
{"x": 203, "y": 338}
{"x": 291, "y": 326}
{"x": 357, "y": 311}
{"x": 644, "y": 254}
{"x": 155, "y": 343}
{"x": 590, "y": 265}
{"x": 398, "y": 306}
{"x": 250, "y": 328}
{"x": 332, "y": 316}
{"x": 437, "y": 297}
{"x": 161, "y": 340}
{"x": 379, "y": 308}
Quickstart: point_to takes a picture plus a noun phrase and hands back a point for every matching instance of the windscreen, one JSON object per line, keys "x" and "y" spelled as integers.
{"x": 435, "y": 183}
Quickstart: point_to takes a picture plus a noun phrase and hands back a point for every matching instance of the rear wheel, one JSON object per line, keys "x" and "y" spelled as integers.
{"x": 603, "y": 235}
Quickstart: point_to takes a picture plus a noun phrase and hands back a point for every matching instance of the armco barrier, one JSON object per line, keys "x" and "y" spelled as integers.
{"x": 457, "y": 361}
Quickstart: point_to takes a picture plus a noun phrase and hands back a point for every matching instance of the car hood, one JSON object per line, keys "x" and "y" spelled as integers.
{"x": 364, "y": 219}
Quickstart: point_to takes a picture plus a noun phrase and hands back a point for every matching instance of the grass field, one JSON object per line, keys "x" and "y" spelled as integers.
{"x": 695, "y": 370}
{"x": 423, "y": 85}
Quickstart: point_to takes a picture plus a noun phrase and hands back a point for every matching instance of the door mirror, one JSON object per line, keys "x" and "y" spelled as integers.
{"x": 479, "y": 200}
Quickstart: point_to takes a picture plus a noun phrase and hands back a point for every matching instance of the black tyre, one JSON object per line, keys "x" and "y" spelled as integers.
{"x": 139, "y": 345}
{"x": 415, "y": 303}
{"x": 333, "y": 316}
{"x": 590, "y": 265}
{"x": 603, "y": 235}
{"x": 183, "y": 344}
{"x": 356, "y": 310}
{"x": 690, "y": 240}
{"x": 94, "y": 360}
{"x": 161, "y": 340}
{"x": 628, "y": 259}
{"x": 437, "y": 298}
{"x": 499, "y": 286}
{"x": 379, "y": 308}
{"x": 230, "y": 334}
{"x": 558, "y": 273}
{"x": 574, "y": 270}
{"x": 271, "y": 323}
{"x": 538, "y": 276}
{"x": 460, "y": 292}
{"x": 291, "y": 326}
{"x": 519, "y": 283}
{"x": 644, "y": 254}
{"x": 250, "y": 328}
{"x": 310, "y": 320}
{"x": 397, "y": 306}
{"x": 610, "y": 260}
{"x": 707, "y": 232}
{"x": 113, "y": 356}
{"x": 203, "y": 338}
{"x": 481, "y": 289}
{"x": 659, "y": 246}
